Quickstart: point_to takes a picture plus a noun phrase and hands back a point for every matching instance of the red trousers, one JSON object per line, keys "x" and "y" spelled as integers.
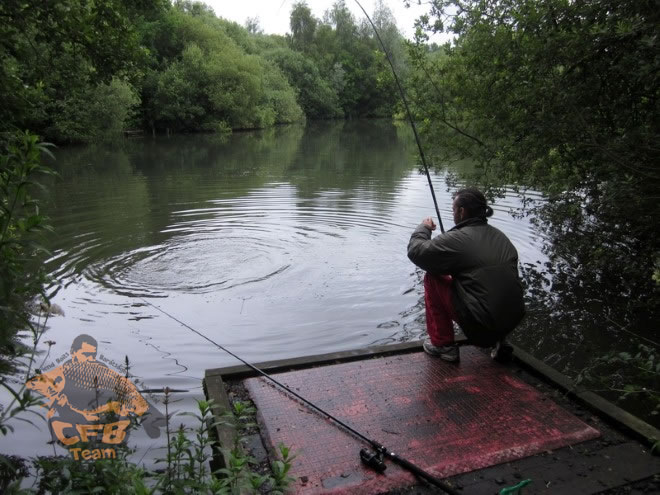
{"x": 439, "y": 309}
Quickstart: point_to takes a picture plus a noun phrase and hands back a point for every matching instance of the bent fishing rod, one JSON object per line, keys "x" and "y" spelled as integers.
{"x": 410, "y": 117}
{"x": 375, "y": 461}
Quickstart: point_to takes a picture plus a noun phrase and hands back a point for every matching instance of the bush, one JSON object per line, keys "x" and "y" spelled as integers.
{"x": 94, "y": 114}
{"x": 21, "y": 276}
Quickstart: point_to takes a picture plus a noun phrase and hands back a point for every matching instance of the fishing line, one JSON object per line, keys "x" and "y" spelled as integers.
{"x": 412, "y": 122}
{"x": 374, "y": 461}
{"x": 623, "y": 329}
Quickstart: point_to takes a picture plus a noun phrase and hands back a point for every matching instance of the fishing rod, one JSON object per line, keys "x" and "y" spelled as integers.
{"x": 412, "y": 121}
{"x": 375, "y": 461}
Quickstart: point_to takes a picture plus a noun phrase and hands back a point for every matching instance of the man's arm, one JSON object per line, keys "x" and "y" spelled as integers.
{"x": 438, "y": 256}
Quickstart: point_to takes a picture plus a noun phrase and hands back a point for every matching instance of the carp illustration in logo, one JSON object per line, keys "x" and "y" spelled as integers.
{"x": 91, "y": 404}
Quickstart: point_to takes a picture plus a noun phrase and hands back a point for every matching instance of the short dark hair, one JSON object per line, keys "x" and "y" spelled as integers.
{"x": 82, "y": 339}
{"x": 474, "y": 202}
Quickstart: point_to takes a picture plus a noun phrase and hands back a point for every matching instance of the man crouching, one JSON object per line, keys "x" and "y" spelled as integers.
{"x": 471, "y": 278}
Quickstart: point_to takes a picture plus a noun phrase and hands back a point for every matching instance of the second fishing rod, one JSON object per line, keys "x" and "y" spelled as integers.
{"x": 374, "y": 461}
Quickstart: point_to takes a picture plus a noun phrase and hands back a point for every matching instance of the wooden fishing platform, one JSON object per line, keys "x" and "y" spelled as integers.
{"x": 479, "y": 425}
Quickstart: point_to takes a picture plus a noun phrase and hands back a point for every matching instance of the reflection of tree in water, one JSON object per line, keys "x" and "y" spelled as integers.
{"x": 594, "y": 297}
{"x": 341, "y": 154}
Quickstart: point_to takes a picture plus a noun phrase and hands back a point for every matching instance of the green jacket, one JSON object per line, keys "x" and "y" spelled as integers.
{"x": 486, "y": 290}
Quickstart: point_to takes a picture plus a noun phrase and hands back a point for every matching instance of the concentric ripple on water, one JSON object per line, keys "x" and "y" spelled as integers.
{"x": 238, "y": 241}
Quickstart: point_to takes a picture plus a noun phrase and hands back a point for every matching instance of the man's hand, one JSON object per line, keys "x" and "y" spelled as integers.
{"x": 428, "y": 221}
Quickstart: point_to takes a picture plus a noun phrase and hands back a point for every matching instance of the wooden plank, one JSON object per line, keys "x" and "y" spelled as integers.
{"x": 640, "y": 429}
{"x": 225, "y": 434}
{"x": 242, "y": 370}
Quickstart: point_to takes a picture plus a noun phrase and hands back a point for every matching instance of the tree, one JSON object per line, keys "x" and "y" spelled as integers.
{"x": 253, "y": 25}
{"x": 342, "y": 20}
{"x": 95, "y": 113}
{"x": 561, "y": 97}
{"x": 49, "y": 49}
{"x": 351, "y": 60}
{"x": 72, "y": 70}
{"x": 303, "y": 26}
{"x": 316, "y": 97}
{"x": 214, "y": 82}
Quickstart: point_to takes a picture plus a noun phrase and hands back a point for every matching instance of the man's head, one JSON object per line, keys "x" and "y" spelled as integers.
{"x": 83, "y": 348}
{"x": 469, "y": 203}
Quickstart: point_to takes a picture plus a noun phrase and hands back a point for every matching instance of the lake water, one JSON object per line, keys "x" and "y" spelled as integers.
{"x": 276, "y": 244}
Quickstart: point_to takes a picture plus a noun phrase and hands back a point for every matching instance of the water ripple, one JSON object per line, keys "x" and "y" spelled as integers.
{"x": 232, "y": 241}
{"x": 226, "y": 243}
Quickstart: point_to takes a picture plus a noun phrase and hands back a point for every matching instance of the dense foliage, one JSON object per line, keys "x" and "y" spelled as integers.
{"x": 21, "y": 278}
{"x": 563, "y": 97}
{"x": 59, "y": 58}
{"x": 560, "y": 96}
{"x": 203, "y": 75}
{"x": 81, "y": 71}
{"x": 349, "y": 57}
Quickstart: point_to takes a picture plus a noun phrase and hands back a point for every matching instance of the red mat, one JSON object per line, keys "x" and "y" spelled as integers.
{"x": 445, "y": 418}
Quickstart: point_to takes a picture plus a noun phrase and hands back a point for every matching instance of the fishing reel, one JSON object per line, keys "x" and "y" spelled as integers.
{"x": 373, "y": 459}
